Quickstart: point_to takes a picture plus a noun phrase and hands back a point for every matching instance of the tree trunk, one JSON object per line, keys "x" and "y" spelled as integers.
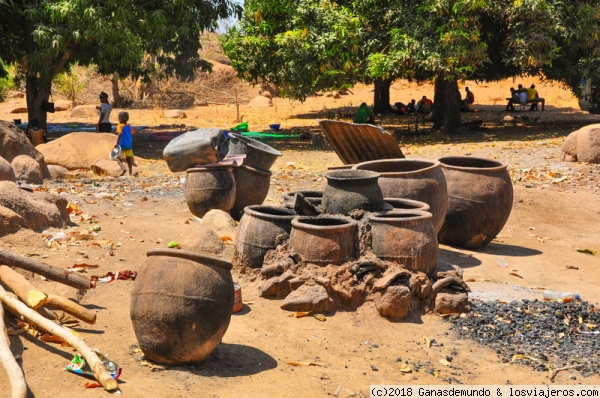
{"x": 381, "y": 101}
{"x": 446, "y": 105}
{"x": 37, "y": 91}
{"x": 117, "y": 99}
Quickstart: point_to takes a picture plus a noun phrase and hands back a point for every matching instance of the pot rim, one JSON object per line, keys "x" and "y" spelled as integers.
{"x": 308, "y": 194}
{"x": 190, "y": 255}
{"x": 352, "y": 175}
{"x": 299, "y": 223}
{"x": 416, "y": 215}
{"x": 254, "y": 210}
{"x": 255, "y": 170}
{"x": 494, "y": 165}
{"x": 430, "y": 165}
{"x": 421, "y": 205}
{"x": 202, "y": 169}
{"x": 256, "y": 144}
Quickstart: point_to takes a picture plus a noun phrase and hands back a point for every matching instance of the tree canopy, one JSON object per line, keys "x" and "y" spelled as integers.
{"x": 309, "y": 45}
{"x": 46, "y": 37}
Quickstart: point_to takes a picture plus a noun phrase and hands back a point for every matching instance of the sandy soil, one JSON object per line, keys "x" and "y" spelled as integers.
{"x": 552, "y": 217}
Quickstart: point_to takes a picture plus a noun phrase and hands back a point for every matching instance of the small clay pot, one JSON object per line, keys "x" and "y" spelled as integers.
{"x": 251, "y": 188}
{"x": 258, "y": 230}
{"x": 349, "y": 190}
{"x": 407, "y": 204}
{"x": 406, "y": 237}
{"x": 208, "y": 188}
{"x": 417, "y": 179}
{"x": 323, "y": 240}
{"x": 480, "y": 200}
{"x": 335, "y": 168}
{"x": 181, "y": 305}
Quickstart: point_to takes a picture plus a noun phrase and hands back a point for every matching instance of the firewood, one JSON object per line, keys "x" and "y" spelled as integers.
{"x": 98, "y": 369}
{"x": 22, "y": 287}
{"x": 71, "y": 308}
{"x": 49, "y": 271}
{"x": 15, "y": 374}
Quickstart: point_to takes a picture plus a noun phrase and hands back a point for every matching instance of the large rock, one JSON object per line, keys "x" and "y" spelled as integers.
{"x": 78, "y": 150}
{"x": 10, "y": 222}
{"x": 6, "y": 171}
{"x": 394, "y": 302}
{"x": 308, "y": 298}
{"x": 582, "y": 145}
{"x": 85, "y": 111}
{"x": 14, "y": 142}
{"x": 260, "y": 102}
{"x": 40, "y": 210}
{"x": 57, "y": 171}
{"x": 107, "y": 167}
{"x": 63, "y": 105}
{"x": 27, "y": 170}
{"x": 450, "y": 301}
{"x": 175, "y": 114}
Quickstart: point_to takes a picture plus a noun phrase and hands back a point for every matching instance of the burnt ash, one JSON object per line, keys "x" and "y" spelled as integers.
{"x": 542, "y": 335}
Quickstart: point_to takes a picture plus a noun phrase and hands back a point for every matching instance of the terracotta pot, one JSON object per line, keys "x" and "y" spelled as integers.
{"x": 181, "y": 305}
{"x": 481, "y": 197}
{"x": 323, "y": 240}
{"x": 335, "y": 168}
{"x": 251, "y": 188}
{"x": 407, "y": 204}
{"x": 406, "y": 237}
{"x": 417, "y": 179}
{"x": 258, "y": 230}
{"x": 313, "y": 197}
{"x": 348, "y": 190}
{"x": 208, "y": 188}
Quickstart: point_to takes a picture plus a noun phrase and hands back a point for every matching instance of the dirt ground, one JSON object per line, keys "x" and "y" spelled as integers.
{"x": 556, "y": 211}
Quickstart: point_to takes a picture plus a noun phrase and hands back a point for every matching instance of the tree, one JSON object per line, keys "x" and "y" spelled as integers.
{"x": 47, "y": 36}
{"x": 379, "y": 41}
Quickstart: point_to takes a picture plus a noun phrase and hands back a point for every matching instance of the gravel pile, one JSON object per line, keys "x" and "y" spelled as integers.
{"x": 540, "y": 334}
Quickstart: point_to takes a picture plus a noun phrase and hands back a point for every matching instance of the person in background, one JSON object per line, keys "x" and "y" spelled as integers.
{"x": 425, "y": 105}
{"x": 533, "y": 96}
{"x": 514, "y": 99}
{"x": 467, "y": 103}
{"x": 104, "y": 125}
{"x": 36, "y": 134}
{"x": 364, "y": 115}
{"x": 410, "y": 108}
{"x": 125, "y": 139}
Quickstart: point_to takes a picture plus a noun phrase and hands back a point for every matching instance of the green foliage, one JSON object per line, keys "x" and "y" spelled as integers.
{"x": 68, "y": 84}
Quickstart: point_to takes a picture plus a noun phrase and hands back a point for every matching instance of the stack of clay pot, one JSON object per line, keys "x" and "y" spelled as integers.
{"x": 222, "y": 174}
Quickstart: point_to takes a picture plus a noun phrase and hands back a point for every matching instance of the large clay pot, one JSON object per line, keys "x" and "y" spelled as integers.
{"x": 208, "y": 188}
{"x": 348, "y": 190}
{"x": 251, "y": 188}
{"x": 335, "y": 168}
{"x": 407, "y": 204}
{"x": 181, "y": 305}
{"x": 417, "y": 179}
{"x": 323, "y": 240}
{"x": 258, "y": 230}
{"x": 258, "y": 155}
{"x": 480, "y": 200}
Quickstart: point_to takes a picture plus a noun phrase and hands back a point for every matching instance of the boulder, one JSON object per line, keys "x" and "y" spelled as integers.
{"x": 10, "y": 222}
{"x": 85, "y": 111}
{"x": 64, "y": 105}
{"x": 20, "y": 109}
{"x": 201, "y": 239}
{"x": 582, "y": 145}
{"x": 450, "y": 301}
{"x": 57, "y": 171}
{"x": 6, "y": 171}
{"x": 175, "y": 114}
{"x": 394, "y": 302}
{"x": 200, "y": 102}
{"x": 308, "y": 298}
{"x": 78, "y": 150}
{"x": 27, "y": 170}
{"x": 40, "y": 210}
{"x": 260, "y": 102}
{"x": 108, "y": 167}
{"x": 14, "y": 142}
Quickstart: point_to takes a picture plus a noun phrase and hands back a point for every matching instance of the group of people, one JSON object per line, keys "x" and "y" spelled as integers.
{"x": 523, "y": 95}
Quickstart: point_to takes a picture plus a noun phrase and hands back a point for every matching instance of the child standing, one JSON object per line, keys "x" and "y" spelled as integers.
{"x": 125, "y": 139}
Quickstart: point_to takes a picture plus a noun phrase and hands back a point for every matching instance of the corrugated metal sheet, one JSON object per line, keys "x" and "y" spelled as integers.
{"x": 356, "y": 143}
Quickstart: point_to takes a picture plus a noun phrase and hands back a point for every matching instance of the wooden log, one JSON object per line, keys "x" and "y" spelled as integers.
{"x": 71, "y": 308}
{"x": 22, "y": 287}
{"x": 15, "y": 373}
{"x": 53, "y": 273}
{"x": 98, "y": 369}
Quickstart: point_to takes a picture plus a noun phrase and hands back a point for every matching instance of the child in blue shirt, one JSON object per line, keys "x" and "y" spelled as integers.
{"x": 125, "y": 139}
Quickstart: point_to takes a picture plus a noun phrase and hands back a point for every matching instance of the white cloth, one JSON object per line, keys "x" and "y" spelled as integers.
{"x": 105, "y": 108}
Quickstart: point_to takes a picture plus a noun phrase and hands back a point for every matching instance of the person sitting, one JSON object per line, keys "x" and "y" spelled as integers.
{"x": 364, "y": 115}
{"x": 410, "y": 108}
{"x": 514, "y": 99}
{"x": 36, "y": 134}
{"x": 399, "y": 108}
{"x": 534, "y": 98}
{"x": 425, "y": 106}
{"x": 467, "y": 103}
{"x": 522, "y": 95}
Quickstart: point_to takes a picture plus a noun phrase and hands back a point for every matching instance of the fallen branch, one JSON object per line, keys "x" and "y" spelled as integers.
{"x": 98, "y": 369}
{"x": 555, "y": 371}
{"x": 71, "y": 308}
{"x": 15, "y": 374}
{"x": 22, "y": 287}
{"x": 50, "y": 272}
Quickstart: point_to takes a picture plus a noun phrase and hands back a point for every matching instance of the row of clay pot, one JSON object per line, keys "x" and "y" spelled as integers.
{"x": 403, "y": 236}
{"x": 470, "y": 198}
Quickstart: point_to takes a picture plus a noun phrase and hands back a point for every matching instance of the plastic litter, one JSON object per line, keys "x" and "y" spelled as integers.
{"x": 501, "y": 262}
{"x": 79, "y": 366}
{"x": 565, "y": 297}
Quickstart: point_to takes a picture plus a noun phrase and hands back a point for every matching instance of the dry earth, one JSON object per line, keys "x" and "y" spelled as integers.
{"x": 556, "y": 211}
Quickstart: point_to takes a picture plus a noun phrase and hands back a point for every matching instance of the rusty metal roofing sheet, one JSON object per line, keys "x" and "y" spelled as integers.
{"x": 356, "y": 143}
